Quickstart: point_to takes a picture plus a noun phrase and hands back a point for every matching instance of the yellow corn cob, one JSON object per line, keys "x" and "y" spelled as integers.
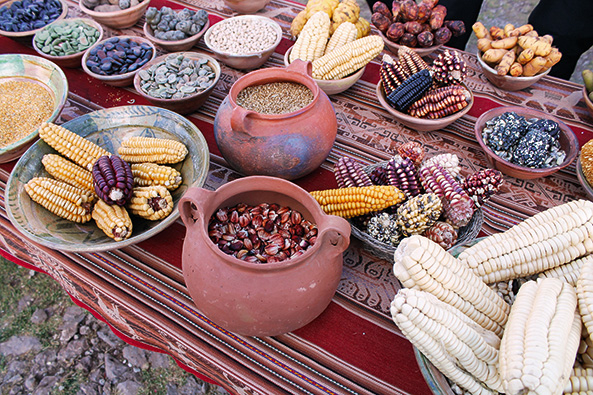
{"x": 546, "y": 240}
{"x": 463, "y": 351}
{"x": 541, "y": 338}
{"x": 355, "y": 201}
{"x": 74, "y": 147}
{"x": 149, "y": 149}
{"x": 580, "y": 382}
{"x": 146, "y": 174}
{"x": 420, "y": 263}
{"x": 312, "y": 39}
{"x": 152, "y": 203}
{"x": 569, "y": 272}
{"x": 62, "y": 169}
{"x": 344, "y": 34}
{"x": 348, "y": 58}
{"x": 113, "y": 220}
{"x": 363, "y": 27}
{"x": 64, "y": 200}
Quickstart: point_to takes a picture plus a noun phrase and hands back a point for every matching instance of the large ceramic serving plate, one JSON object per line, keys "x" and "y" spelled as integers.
{"x": 107, "y": 128}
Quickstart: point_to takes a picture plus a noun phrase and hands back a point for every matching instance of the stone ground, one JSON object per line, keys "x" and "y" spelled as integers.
{"x": 50, "y": 346}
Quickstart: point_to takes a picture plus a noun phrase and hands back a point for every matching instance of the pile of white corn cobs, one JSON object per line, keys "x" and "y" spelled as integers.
{"x": 450, "y": 311}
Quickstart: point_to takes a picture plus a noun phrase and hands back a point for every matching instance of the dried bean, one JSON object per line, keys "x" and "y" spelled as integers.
{"x": 25, "y": 15}
{"x": 118, "y": 56}
{"x": 275, "y": 97}
{"x": 66, "y": 38}
{"x": 110, "y": 5}
{"x": 242, "y": 36}
{"x": 170, "y": 25}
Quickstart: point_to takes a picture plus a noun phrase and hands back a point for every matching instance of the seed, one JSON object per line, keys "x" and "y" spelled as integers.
{"x": 275, "y": 97}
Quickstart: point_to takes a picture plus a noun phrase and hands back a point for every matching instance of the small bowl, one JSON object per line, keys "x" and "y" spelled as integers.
{"x": 186, "y": 104}
{"x": 244, "y": 61}
{"x": 118, "y": 79}
{"x": 31, "y": 33}
{"x": 568, "y": 142}
{"x": 332, "y": 87}
{"x": 422, "y": 124}
{"x": 176, "y": 45}
{"x": 246, "y": 6}
{"x": 46, "y": 73}
{"x": 118, "y": 19}
{"x": 74, "y": 60}
{"x": 394, "y": 47}
{"x": 507, "y": 82}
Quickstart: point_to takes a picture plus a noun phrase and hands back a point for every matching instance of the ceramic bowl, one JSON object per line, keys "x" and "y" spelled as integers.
{"x": 583, "y": 180}
{"x": 117, "y": 79}
{"x": 187, "y": 104}
{"x": 394, "y": 47}
{"x": 74, "y": 60}
{"x": 244, "y": 61}
{"x": 106, "y": 128}
{"x": 332, "y": 87}
{"x": 568, "y": 142}
{"x": 117, "y": 19}
{"x": 588, "y": 101}
{"x": 29, "y": 33}
{"x": 507, "y": 82}
{"x": 39, "y": 70}
{"x": 246, "y": 6}
{"x": 421, "y": 124}
{"x": 176, "y": 45}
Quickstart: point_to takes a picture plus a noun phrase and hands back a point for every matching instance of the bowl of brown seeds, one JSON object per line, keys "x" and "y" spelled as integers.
{"x": 33, "y": 90}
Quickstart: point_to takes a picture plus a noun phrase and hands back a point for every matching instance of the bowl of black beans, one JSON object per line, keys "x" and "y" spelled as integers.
{"x": 116, "y": 60}
{"x": 525, "y": 143}
{"x": 23, "y": 18}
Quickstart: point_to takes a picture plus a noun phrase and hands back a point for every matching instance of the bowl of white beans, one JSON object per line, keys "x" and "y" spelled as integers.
{"x": 243, "y": 42}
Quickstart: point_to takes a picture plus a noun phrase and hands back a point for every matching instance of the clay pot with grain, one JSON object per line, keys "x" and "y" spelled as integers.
{"x": 289, "y": 145}
{"x": 260, "y": 299}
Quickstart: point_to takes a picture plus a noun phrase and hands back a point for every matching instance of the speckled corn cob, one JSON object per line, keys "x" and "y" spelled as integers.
{"x": 62, "y": 199}
{"x": 442, "y": 233}
{"x": 355, "y": 201}
{"x": 448, "y": 161}
{"x": 148, "y": 149}
{"x": 458, "y": 206}
{"x": 411, "y": 60}
{"x": 402, "y": 174}
{"x": 113, "y": 220}
{"x": 384, "y": 227}
{"x": 413, "y": 151}
{"x": 74, "y": 147}
{"x": 147, "y": 174}
{"x": 449, "y": 67}
{"x": 349, "y": 173}
{"x": 152, "y": 203}
{"x": 62, "y": 169}
{"x": 419, "y": 213}
{"x": 347, "y": 59}
{"x": 440, "y": 102}
{"x": 481, "y": 185}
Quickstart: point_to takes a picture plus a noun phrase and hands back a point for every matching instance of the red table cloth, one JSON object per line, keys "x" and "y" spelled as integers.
{"x": 353, "y": 347}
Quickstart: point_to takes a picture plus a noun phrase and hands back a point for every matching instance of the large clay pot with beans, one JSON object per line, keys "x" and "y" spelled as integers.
{"x": 287, "y": 145}
{"x": 261, "y": 296}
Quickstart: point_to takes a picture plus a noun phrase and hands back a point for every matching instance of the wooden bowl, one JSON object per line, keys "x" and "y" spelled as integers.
{"x": 568, "y": 142}
{"x": 246, "y": 6}
{"x": 31, "y": 33}
{"x": 74, "y": 60}
{"x": 119, "y": 79}
{"x": 118, "y": 19}
{"x": 186, "y": 104}
{"x": 175, "y": 45}
{"x": 332, "y": 87}
{"x": 244, "y": 61}
{"x": 588, "y": 101}
{"x": 394, "y": 47}
{"x": 507, "y": 82}
{"x": 422, "y": 124}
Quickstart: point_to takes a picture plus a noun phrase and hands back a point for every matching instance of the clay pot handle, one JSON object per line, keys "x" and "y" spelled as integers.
{"x": 301, "y": 66}
{"x": 191, "y": 205}
{"x": 239, "y": 117}
{"x": 335, "y": 233}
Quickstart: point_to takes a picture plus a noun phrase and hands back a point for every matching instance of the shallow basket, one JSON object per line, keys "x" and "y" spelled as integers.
{"x": 385, "y": 251}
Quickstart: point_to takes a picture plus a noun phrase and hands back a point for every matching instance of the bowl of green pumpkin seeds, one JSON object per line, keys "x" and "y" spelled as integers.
{"x": 65, "y": 42}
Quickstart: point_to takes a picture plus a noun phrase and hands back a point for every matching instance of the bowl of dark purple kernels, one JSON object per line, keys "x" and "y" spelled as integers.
{"x": 525, "y": 143}
{"x": 116, "y": 60}
{"x": 24, "y": 18}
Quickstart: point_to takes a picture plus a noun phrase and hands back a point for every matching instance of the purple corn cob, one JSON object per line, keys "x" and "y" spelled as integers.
{"x": 113, "y": 180}
{"x": 379, "y": 176}
{"x": 401, "y": 173}
{"x": 483, "y": 184}
{"x": 349, "y": 173}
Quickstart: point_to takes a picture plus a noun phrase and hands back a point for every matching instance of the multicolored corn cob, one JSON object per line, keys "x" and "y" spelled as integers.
{"x": 419, "y": 213}
{"x": 481, "y": 185}
{"x": 349, "y": 173}
{"x": 401, "y": 173}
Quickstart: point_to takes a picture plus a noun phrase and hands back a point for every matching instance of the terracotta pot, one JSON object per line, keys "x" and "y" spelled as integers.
{"x": 260, "y": 299}
{"x": 288, "y": 145}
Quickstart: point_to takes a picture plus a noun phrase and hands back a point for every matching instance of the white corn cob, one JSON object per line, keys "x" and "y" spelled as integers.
{"x": 569, "y": 272}
{"x": 345, "y": 33}
{"x": 541, "y": 338}
{"x": 462, "y": 350}
{"x": 544, "y": 241}
{"x": 580, "y": 382}
{"x": 585, "y": 295}
{"x": 585, "y": 352}
{"x": 422, "y": 264}
{"x": 312, "y": 39}
{"x": 348, "y": 58}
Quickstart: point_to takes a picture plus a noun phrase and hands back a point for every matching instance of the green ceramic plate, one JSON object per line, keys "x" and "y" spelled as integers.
{"x": 42, "y": 71}
{"x": 106, "y": 128}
